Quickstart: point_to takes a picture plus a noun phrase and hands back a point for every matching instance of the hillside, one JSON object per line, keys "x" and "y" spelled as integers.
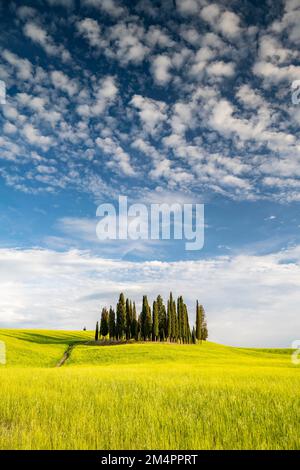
{"x": 145, "y": 396}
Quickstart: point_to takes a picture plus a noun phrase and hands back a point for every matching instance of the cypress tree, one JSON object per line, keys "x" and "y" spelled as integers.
{"x": 188, "y": 333}
{"x": 174, "y": 320}
{"x": 128, "y": 318}
{"x": 97, "y": 332}
{"x": 204, "y": 330}
{"x": 104, "y": 322}
{"x": 172, "y": 324}
{"x": 146, "y": 321}
{"x": 194, "y": 339}
{"x": 121, "y": 318}
{"x": 198, "y": 322}
{"x": 169, "y": 321}
{"x": 162, "y": 319}
{"x": 131, "y": 316}
{"x": 201, "y": 326}
{"x": 111, "y": 324}
{"x": 155, "y": 324}
{"x": 142, "y": 318}
{"x": 134, "y": 324}
{"x": 139, "y": 328}
{"x": 185, "y": 321}
{"x": 182, "y": 320}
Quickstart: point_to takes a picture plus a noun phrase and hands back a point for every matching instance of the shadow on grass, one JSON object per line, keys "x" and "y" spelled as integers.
{"x": 40, "y": 338}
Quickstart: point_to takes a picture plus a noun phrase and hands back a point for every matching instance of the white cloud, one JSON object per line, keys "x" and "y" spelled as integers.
{"x": 151, "y": 112}
{"x": 64, "y": 83}
{"x": 82, "y": 228}
{"x": 124, "y": 41}
{"x": 128, "y": 40}
{"x": 289, "y": 23}
{"x": 220, "y": 68}
{"x": 229, "y": 24}
{"x": 188, "y": 7}
{"x": 34, "y": 137}
{"x": 225, "y": 120}
{"x": 190, "y": 34}
{"x": 111, "y": 7}
{"x": 157, "y": 37}
{"x": 271, "y": 49}
{"x": 105, "y": 93}
{"x": 161, "y": 66}
{"x": 24, "y": 12}
{"x": 46, "y": 169}
{"x": 226, "y": 22}
{"x": 274, "y": 73}
{"x": 91, "y": 30}
{"x": 63, "y": 3}
{"x": 183, "y": 117}
{"x": 210, "y": 13}
{"x": 9, "y": 128}
{"x": 120, "y": 160}
{"x": 22, "y": 66}
{"x": 200, "y": 61}
{"x": 39, "y": 35}
{"x": 35, "y": 102}
{"x": 249, "y": 97}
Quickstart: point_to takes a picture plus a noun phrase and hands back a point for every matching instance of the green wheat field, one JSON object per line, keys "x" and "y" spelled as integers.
{"x": 145, "y": 396}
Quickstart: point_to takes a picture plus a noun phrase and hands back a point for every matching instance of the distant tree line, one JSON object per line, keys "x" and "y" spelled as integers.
{"x": 159, "y": 324}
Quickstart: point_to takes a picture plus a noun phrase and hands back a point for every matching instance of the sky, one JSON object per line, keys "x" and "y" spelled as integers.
{"x": 167, "y": 101}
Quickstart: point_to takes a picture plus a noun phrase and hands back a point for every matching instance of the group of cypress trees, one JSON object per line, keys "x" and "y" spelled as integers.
{"x": 160, "y": 324}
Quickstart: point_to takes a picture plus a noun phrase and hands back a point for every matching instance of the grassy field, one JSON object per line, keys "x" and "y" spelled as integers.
{"x": 145, "y": 396}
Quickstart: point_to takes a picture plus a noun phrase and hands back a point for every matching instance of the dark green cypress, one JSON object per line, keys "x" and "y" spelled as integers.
{"x": 194, "y": 339}
{"x": 201, "y": 325}
{"x": 146, "y": 321}
{"x": 172, "y": 324}
{"x": 181, "y": 319}
{"x": 104, "y": 322}
{"x": 155, "y": 323}
{"x": 134, "y": 324}
{"x": 149, "y": 323}
{"x": 121, "y": 318}
{"x": 174, "y": 328}
{"x": 204, "y": 330}
{"x": 185, "y": 321}
{"x": 112, "y": 324}
{"x": 198, "y": 322}
{"x": 128, "y": 318}
{"x": 97, "y": 332}
{"x": 169, "y": 321}
{"x": 140, "y": 327}
{"x": 172, "y": 319}
{"x": 188, "y": 333}
{"x": 162, "y": 319}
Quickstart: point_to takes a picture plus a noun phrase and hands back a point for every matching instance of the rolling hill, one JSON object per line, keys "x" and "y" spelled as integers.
{"x": 144, "y": 395}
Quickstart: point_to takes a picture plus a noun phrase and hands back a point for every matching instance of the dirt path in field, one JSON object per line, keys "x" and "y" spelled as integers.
{"x": 70, "y": 348}
{"x": 66, "y": 355}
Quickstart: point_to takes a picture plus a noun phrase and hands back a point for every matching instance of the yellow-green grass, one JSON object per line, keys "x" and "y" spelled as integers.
{"x": 38, "y": 348}
{"x": 146, "y": 396}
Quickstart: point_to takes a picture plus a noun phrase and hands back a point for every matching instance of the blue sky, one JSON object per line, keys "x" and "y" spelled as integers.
{"x": 166, "y": 101}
